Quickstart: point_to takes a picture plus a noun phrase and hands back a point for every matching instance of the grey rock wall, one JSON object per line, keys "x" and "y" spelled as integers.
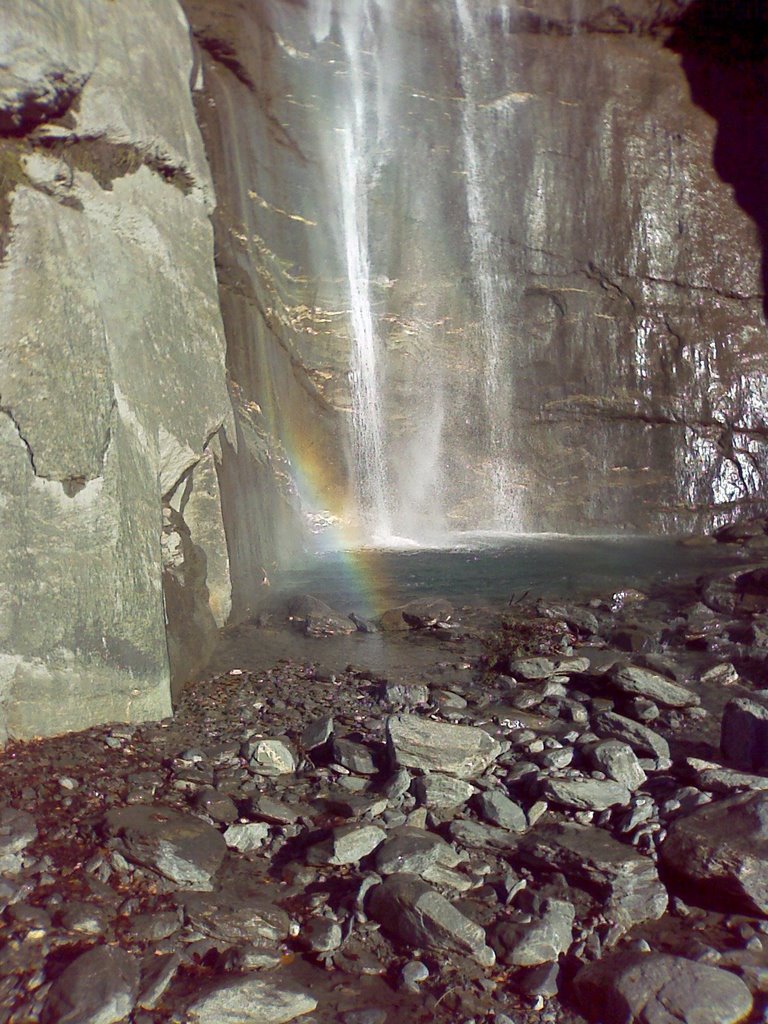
{"x": 112, "y": 379}
{"x": 628, "y": 265}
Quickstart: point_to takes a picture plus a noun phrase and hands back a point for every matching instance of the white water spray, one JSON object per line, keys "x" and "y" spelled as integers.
{"x": 358, "y": 162}
{"x": 473, "y": 56}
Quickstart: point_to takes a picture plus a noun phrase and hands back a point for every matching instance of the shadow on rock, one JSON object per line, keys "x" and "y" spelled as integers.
{"x": 724, "y": 50}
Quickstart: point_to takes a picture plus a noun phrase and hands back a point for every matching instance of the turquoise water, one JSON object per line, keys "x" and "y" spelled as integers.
{"x": 492, "y": 570}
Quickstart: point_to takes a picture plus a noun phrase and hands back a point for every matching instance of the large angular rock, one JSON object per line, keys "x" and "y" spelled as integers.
{"x": 182, "y": 848}
{"x": 250, "y": 1000}
{"x": 655, "y": 988}
{"x": 117, "y": 238}
{"x": 347, "y": 844}
{"x": 413, "y": 850}
{"x": 460, "y": 750}
{"x": 642, "y": 682}
{"x": 723, "y": 847}
{"x": 744, "y": 733}
{"x": 234, "y": 918}
{"x": 99, "y": 987}
{"x": 619, "y": 762}
{"x": 585, "y": 794}
{"x": 625, "y": 882}
{"x": 540, "y": 941}
{"x": 639, "y": 737}
{"x": 411, "y": 910}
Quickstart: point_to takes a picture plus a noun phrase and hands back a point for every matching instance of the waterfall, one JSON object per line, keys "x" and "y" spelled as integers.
{"x": 473, "y": 60}
{"x": 358, "y": 161}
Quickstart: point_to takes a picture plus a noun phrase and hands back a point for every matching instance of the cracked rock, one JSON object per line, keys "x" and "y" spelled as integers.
{"x": 460, "y": 750}
{"x": 409, "y": 909}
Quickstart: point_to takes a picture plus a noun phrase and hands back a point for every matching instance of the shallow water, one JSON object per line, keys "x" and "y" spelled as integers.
{"x": 482, "y": 569}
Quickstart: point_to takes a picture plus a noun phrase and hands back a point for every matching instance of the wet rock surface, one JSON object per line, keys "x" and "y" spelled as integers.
{"x": 452, "y": 842}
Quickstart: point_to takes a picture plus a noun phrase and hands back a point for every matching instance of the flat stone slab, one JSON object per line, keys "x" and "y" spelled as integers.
{"x": 409, "y": 909}
{"x": 461, "y": 750}
{"x": 184, "y": 849}
{"x": 655, "y": 988}
{"x": 250, "y": 1000}
{"x": 642, "y": 682}
{"x": 724, "y": 845}
{"x": 234, "y": 918}
{"x": 586, "y": 794}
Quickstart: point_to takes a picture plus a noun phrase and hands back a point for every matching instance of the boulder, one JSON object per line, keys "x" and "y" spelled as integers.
{"x": 723, "y": 848}
{"x": 460, "y": 750}
{"x": 182, "y": 848}
{"x": 655, "y": 988}
{"x": 411, "y": 910}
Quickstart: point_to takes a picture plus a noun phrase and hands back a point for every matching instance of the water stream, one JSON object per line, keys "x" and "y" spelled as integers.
{"x": 473, "y": 56}
{"x": 359, "y": 157}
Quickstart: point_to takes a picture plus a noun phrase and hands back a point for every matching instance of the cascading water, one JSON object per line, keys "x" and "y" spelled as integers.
{"x": 357, "y": 163}
{"x": 473, "y": 60}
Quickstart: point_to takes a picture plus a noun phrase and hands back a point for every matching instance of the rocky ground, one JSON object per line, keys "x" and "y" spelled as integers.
{"x": 538, "y": 814}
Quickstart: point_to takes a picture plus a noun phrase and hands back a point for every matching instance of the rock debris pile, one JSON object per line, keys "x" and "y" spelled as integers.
{"x": 563, "y": 815}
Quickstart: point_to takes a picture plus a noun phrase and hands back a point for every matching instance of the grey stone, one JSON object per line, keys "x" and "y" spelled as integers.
{"x": 642, "y": 739}
{"x": 619, "y": 762}
{"x": 642, "y": 682}
{"x": 397, "y": 785}
{"x": 474, "y": 834}
{"x": 442, "y": 792}
{"x": 585, "y": 794}
{"x": 724, "y": 845}
{"x": 406, "y": 693}
{"x": 413, "y": 974}
{"x": 625, "y": 883}
{"x": 413, "y": 850}
{"x": 713, "y": 777}
{"x": 498, "y": 809}
{"x": 411, "y": 910}
{"x": 232, "y": 917}
{"x": 245, "y": 837}
{"x": 655, "y": 988}
{"x": 182, "y": 848}
{"x": 99, "y": 987}
{"x": 322, "y": 935}
{"x": 319, "y": 619}
{"x": 156, "y": 979}
{"x": 250, "y": 1000}
{"x": 269, "y": 756}
{"x": 540, "y": 941}
{"x": 17, "y": 831}
{"x": 460, "y": 750}
{"x": 347, "y": 844}
{"x": 318, "y": 732}
{"x": 354, "y": 756}
{"x": 744, "y": 733}
{"x": 533, "y": 668}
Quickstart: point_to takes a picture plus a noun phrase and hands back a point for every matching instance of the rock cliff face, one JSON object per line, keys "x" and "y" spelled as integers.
{"x": 112, "y": 384}
{"x": 475, "y": 265}
{"x": 582, "y": 331}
